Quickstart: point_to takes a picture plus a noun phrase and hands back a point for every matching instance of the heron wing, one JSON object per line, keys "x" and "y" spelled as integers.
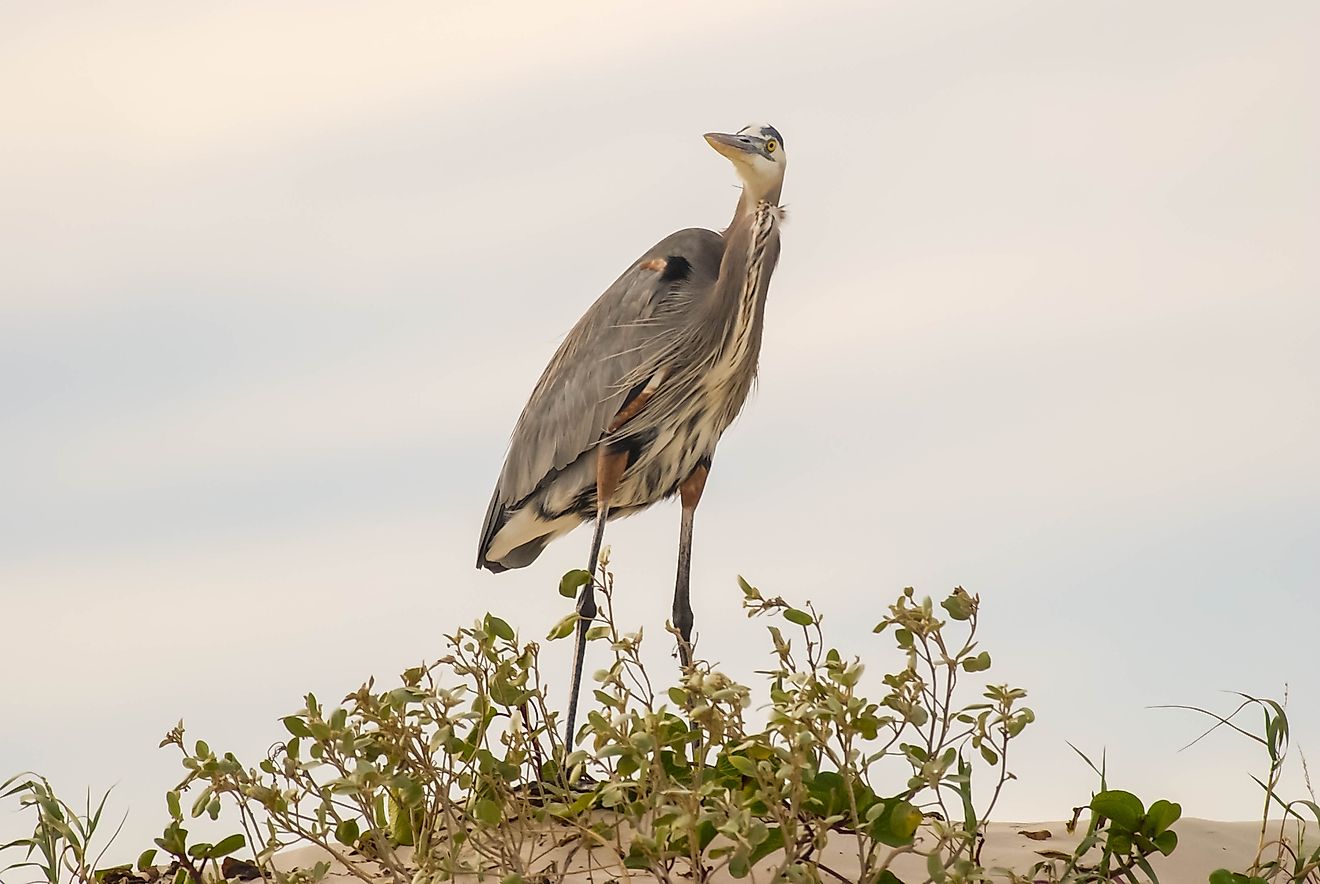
{"x": 590, "y": 376}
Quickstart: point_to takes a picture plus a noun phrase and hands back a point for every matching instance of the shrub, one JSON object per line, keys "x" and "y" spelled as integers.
{"x": 459, "y": 768}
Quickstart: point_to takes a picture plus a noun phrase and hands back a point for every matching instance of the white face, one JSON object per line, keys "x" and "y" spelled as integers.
{"x": 757, "y": 153}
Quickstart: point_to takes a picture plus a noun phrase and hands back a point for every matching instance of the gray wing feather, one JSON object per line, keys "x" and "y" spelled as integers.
{"x": 588, "y": 378}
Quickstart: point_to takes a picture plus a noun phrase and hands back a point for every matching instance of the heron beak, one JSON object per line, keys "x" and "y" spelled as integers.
{"x": 730, "y": 146}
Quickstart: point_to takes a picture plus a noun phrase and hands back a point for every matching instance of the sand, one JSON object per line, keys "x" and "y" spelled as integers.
{"x": 1204, "y": 845}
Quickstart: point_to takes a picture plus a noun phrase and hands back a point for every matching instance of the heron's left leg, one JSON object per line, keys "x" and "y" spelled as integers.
{"x": 690, "y": 494}
{"x": 610, "y": 465}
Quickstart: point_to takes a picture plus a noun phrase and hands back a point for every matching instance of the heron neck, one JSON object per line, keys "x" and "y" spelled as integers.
{"x": 750, "y": 197}
{"x": 737, "y": 305}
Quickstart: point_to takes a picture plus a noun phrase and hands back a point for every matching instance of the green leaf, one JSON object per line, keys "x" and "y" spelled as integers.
{"x": 296, "y": 726}
{"x": 146, "y": 859}
{"x": 904, "y": 820}
{"x": 738, "y": 864}
{"x": 347, "y": 832}
{"x": 504, "y": 694}
{"x": 896, "y": 825}
{"x": 172, "y": 802}
{"x": 774, "y": 841}
{"x": 1144, "y": 865}
{"x": 408, "y": 790}
{"x": 743, "y": 765}
{"x": 636, "y": 858}
{"x": 583, "y": 802}
{"x": 1124, "y": 808}
{"x": 727, "y": 773}
{"x": 174, "y": 839}
{"x": 487, "y": 811}
{"x": 498, "y": 628}
{"x": 226, "y": 846}
{"x": 828, "y": 794}
{"x": 965, "y": 792}
{"x": 1166, "y": 842}
{"x": 563, "y": 628}
{"x": 400, "y": 821}
{"x": 199, "y": 806}
{"x": 979, "y": 663}
{"x": 706, "y": 833}
{"x": 571, "y": 582}
{"x": 801, "y": 618}
{"x": 1161, "y": 815}
{"x": 959, "y": 605}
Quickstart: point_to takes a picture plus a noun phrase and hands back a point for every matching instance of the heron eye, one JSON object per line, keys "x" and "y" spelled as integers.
{"x": 771, "y": 146}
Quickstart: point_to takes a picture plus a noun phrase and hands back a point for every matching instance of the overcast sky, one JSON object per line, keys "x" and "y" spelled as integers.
{"x": 276, "y": 279}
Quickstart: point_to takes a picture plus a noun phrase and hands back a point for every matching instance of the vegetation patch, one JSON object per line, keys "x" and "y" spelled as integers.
{"x": 458, "y": 772}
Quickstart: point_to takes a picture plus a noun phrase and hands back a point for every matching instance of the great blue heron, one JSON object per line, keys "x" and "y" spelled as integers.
{"x": 629, "y": 410}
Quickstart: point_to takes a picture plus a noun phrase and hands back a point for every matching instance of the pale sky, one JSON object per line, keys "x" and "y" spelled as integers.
{"x": 276, "y": 279}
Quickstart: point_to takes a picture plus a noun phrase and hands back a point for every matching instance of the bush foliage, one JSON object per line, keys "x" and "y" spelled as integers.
{"x": 459, "y": 770}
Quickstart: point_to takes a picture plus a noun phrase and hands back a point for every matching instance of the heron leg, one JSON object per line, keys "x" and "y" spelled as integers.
{"x": 690, "y": 494}
{"x": 609, "y": 469}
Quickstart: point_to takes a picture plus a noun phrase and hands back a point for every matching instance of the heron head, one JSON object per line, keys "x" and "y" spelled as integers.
{"x": 757, "y": 153}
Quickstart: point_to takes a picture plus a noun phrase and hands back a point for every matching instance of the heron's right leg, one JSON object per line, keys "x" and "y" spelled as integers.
{"x": 690, "y": 494}
{"x": 609, "y": 469}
